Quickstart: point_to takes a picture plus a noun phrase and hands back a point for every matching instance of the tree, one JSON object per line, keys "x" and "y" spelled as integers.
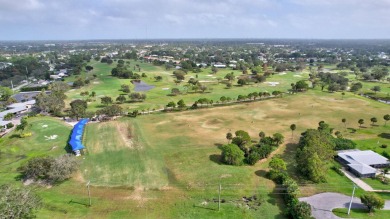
{"x": 277, "y": 164}
{"x": 121, "y": 98}
{"x": 23, "y": 124}
{"x": 361, "y": 122}
{"x": 229, "y": 76}
{"x": 301, "y": 86}
{"x": 175, "y": 91}
{"x": 78, "y": 108}
{"x": 278, "y": 138}
{"x": 5, "y": 93}
{"x": 376, "y": 89}
{"x": 8, "y": 116}
{"x": 18, "y": 202}
{"x": 63, "y": 167}
{"x": 372, "y": 201}
{"x": 242, "y": 140}
{"x": 49, "y": 168}
{"x": 386, "y": 118}
{"x": 229, "y": 137}
{"x": 242, "y": 81}
{"x": 106, "y": 100}
{"x": 88, "y": 68}
{"x": 373, "y": 120}
{"x": 293, "y": 127}
{"x": 315, "y": 151}
{"x": 344, "y": 120}
{"x": 37, "y": 168}
{"x": 356, "y": 87}
{"x": 181, "y": 104}
{"x": 232, "y": 154}
{"x": 171, "y": 105}
{"x": 261, "y": 134}
{"x": 301, "y": 210}
{"x": 137, "y": 96}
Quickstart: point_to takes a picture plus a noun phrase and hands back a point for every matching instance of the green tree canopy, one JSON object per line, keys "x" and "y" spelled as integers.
{"x": 372, "y": 201}
{"x": 232, "y": 154}
{"x": 277, "y": 164}
{"x": 18, "y": 202}
{"x": 315, "y": 151}
{"x": 78, "y": 108}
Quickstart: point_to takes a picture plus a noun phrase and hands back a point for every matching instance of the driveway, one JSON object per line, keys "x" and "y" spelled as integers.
{"x": 323, "y": 203}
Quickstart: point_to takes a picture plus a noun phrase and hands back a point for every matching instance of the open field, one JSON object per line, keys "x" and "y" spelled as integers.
{"x": 159, "y": 96}
{"x": 166, "y": 165}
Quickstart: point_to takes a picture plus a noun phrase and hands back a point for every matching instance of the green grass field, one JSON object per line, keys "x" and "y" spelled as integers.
{"x": 361, "y": 213}
{"x": 166, "y": 165}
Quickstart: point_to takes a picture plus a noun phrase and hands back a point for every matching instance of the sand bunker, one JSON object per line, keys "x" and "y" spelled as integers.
{"x": 51, "y": 137}
{"x": 298, "y": 76}
{"x": 44, "y": 126}
{"x": 283, "y": 73}
{"x": 273, "y": 84}
{"x": 165, "y": 88}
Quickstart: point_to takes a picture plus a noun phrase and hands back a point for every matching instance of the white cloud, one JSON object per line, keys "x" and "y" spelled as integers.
{"x": 200, "y": 18}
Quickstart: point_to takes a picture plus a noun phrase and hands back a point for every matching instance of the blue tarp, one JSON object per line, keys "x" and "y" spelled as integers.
{"x": 77, "y": 133}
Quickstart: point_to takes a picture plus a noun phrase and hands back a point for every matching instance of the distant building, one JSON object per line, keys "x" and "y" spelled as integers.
{"x": 219, "y": 65}
{"x": 362, "y": 163}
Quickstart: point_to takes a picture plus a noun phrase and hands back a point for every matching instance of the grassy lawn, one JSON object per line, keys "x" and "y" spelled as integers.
{"x": 15, "y": 151}
{"x": 361, "y": 213}
{"x": 376, "y": 184}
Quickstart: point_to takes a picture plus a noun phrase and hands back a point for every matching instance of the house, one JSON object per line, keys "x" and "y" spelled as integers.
{"x": 219, "y": 65}
{"x": 362, "y": 163}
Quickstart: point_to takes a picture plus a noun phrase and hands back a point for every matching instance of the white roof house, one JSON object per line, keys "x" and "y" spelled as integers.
{"x": 363, "y": 163}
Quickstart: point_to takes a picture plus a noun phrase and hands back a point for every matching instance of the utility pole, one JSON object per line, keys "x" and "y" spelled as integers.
{"x": 89, "y": 193}
{"x": 12, "y": 86}
{"x": 219, "y": 196}
{"x": 350, "y": 203}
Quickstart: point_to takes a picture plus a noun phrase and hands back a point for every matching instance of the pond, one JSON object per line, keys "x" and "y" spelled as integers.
{"x": 142, "y": 86}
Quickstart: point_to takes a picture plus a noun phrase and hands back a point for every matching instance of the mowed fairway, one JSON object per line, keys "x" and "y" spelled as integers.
{"x": 116, "y": 157}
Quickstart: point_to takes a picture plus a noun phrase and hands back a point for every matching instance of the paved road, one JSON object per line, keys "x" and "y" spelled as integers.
{"x": 323, "y": 203}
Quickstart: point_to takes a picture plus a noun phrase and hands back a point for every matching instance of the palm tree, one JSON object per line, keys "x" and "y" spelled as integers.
{"x": 344, "y": 120}
{"x": 386, "y": 118}
{"x": 374, "y": 120}
{"x": 229, "y": 137}
{"x": 361, "y": 122}
{"x": 293, "y": 127}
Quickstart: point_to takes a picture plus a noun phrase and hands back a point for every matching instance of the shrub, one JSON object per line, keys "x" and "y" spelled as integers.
{"x": 384, "y": 146}
{"x": 10, "y": 125}
{"x": 337, "y": 170}
{"x": 27, "y": 134}
{"x": 49, "y": 168}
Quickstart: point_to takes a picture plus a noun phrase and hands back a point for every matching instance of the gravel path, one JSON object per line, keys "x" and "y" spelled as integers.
{"x": 323, "y": 203}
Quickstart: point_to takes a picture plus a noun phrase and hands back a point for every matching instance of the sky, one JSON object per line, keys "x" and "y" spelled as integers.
{"x": 177, "y": 19}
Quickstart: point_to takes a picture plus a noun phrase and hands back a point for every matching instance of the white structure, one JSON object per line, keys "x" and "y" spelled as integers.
{"x": 362, "y": 163}
{"x": 15, "y": 109}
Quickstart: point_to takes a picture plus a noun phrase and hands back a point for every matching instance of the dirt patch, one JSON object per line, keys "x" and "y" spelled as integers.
{"x": 212, "y": 124}
{"x": 138, "y": 195}
{"x": 126, "y": 133}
